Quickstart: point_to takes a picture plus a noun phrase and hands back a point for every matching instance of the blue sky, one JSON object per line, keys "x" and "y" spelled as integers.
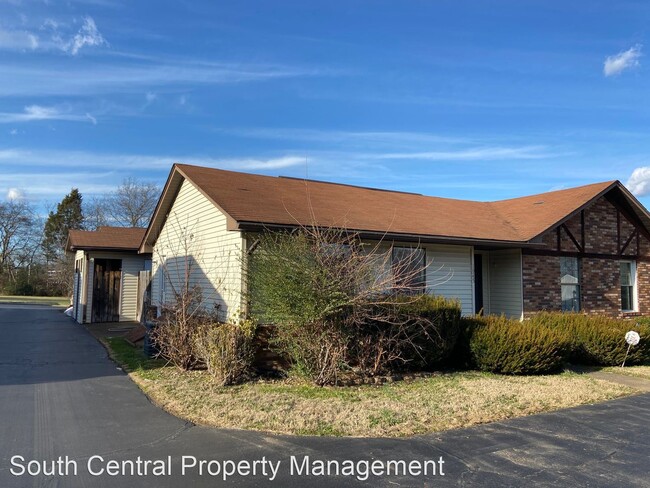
{"x": 477, "y": 100}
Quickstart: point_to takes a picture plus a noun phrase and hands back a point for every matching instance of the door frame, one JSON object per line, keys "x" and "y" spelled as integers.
{"x": 117, "y": 311}
{"x": 485, "y": 278}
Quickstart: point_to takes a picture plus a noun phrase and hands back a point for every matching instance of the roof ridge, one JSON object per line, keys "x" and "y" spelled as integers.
{"x": 573, "y": 188}
{"x": 329, "y": 183}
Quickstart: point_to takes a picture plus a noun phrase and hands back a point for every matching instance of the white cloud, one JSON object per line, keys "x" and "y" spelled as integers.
{"x": 625, "y": 59}
{"x": 53, "y": 37}
{"x": 18, "y": 40}
{"x": 88, "y": 35}
{"x": 15, "y": 195}
{"x": 64, "y": 78}
{"x": 50, "y": 24}
{"x": 13, "y": 132}
{"x": 356, "y": 138}
{"x": 39, "y": 112}
{"x": 472, "y": 154}
{"x": 639, "y": 181}
{"x": 50, "y": 173}
{"x": 116, "y": 161}
{"x": 277, "y": 163}
{"x": 150, "y": 97}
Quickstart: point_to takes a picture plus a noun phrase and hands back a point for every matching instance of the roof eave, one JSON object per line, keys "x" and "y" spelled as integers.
{"x": 104, "y": 248}
{"x": 399, "y": 236}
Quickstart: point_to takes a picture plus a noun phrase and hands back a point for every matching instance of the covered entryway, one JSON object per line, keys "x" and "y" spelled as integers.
{"x": 107, "y": 278}
{"x": 498, "y": 282}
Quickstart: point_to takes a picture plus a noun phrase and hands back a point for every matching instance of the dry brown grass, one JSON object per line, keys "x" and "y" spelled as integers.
{"x": 438, "y": 403}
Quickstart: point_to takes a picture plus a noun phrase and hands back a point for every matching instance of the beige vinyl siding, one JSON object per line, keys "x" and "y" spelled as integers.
{"x": 195, "y": 242}
{"x": 505, "y": 283}
{"x": 90, "y": 274}
{"x": 449, "y": 274}
{"x": 131, "y": 268}
{"x": 79, "y": 280}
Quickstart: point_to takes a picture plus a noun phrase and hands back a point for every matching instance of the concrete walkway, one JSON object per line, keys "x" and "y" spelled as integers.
{"x": 61, "y": 396}
{"x": 638, "y": 383}
{"x": 635, "y": 382}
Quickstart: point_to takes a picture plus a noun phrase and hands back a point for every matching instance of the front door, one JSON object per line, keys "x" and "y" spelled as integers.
{"x": 106, "y": 290}
{"x": 478, "y": 283}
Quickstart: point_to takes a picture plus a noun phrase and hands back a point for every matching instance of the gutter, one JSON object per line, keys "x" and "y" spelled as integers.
{"x": 426, "y": 239}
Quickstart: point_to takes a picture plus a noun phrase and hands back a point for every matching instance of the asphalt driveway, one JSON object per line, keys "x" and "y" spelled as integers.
{"x": 61, "y": 396}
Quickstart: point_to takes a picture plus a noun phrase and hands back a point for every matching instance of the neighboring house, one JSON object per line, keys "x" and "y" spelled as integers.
{"x": 107, "y": 269}
{"x": 585, "y": 248}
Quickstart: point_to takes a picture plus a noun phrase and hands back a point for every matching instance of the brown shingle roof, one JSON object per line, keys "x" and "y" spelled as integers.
{"x": 249, "y": 198}
{"x": 534, "y": 214}
{"x": 114, "y": 238}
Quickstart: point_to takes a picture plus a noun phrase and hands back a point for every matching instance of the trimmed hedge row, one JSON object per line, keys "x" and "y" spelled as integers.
{"x": 598, "y": 340}
{"x": 512, "y": 347}
{"x": 543, "y": 343}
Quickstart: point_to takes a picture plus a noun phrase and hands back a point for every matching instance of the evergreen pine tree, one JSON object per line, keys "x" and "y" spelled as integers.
{"x": 68, "y": 216}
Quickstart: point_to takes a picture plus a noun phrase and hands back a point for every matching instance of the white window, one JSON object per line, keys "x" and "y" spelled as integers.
{"x": 628, "y": 286}
{"x": 409, "y": 266}
{"x": 570, "y": 283}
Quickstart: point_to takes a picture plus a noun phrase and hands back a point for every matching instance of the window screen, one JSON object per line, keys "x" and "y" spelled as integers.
{"x": 570, "y": 283}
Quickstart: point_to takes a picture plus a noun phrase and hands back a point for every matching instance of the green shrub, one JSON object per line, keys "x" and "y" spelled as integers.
{"x": 416, "y": 332}
{"x": 502, "y": 345}
{"x": 227, "y": 349}
{"x": 598, "y": 340}
{"x": 462, "y": 357}
{"x": 334, "y": 307}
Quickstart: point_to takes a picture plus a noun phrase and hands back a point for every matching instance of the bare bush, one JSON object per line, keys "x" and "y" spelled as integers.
{"x": 176, "y": 327}
{"x": 336, "y": 301}
{"x": 227, "y": 349}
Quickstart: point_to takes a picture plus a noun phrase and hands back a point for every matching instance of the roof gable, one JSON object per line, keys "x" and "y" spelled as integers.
{"x": 535, "y": 214}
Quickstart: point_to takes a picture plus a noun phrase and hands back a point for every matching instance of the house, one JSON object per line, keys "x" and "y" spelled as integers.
{"x": 585, "y": 248}
{"x": 107, "y": 269}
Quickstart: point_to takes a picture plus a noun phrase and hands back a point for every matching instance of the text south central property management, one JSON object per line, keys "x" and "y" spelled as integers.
{"x": 97, "y": 465}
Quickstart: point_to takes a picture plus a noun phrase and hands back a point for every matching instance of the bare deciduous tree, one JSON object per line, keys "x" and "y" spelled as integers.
{"x": 18, "y": 236}
{"x": 95, "y": 214}
{"x": 131, "y": 205}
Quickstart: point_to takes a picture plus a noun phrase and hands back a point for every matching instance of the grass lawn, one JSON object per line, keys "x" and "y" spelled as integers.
{"x": 399, "y": 409}
{"x": 52, "y": 301}
{"x": 639, "y": 371}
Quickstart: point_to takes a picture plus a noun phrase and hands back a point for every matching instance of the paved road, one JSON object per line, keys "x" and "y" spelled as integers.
{"x": 61, "y": 396}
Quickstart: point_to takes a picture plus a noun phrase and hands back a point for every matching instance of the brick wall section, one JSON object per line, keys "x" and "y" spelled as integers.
{"x": 574, "y": 225}
{"x": 600, "y": 228}
{"x": 600, "y": 286}
{"x": 541, "y": 282}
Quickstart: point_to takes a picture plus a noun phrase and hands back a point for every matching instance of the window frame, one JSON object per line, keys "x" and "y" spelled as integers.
{"x": 577, "y": 285}
{"x": 633, "y": 275}
{"x": 421, "y": 286}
